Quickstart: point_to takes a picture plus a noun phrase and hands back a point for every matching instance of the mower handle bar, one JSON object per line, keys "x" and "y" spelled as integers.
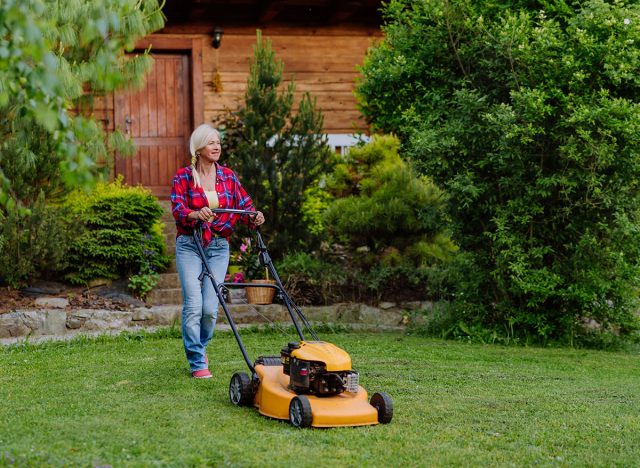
{"x": 234, "y": 211}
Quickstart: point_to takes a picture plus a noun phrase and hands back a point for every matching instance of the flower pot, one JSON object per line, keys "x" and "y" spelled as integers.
{"x": 260, "y": 295}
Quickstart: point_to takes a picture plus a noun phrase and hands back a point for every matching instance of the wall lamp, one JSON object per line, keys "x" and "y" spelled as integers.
{"x": 217, "y": 37}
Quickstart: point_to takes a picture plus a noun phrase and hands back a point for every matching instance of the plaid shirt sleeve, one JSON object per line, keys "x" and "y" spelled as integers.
{"x": 180, "y": 205}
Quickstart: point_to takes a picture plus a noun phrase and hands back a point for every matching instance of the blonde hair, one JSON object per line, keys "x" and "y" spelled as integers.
{"x": 200, "y": 138}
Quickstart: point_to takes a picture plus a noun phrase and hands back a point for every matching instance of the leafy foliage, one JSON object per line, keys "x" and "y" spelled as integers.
{"x": 527, "y": 114}
{"x": 121, "y": 236}
{"x": 385, "y": 230}
{"x": 277, "y": 154}
{"x": 53, "y": 57}
{"x": 382, "y": 208}
{"x": 35, "y": 244}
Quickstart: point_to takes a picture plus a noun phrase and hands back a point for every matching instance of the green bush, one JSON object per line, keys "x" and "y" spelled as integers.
{"x": 385, "y": 213}
{"x": 121, "y": 235}
{"x": 33, "y": 244}
{"x": 527, "y": 114}
{"x": 385, "y": 231}
{"x": 310, "y": 279}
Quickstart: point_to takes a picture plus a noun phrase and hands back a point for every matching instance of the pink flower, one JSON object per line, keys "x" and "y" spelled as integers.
{"x": 238, "y": 278}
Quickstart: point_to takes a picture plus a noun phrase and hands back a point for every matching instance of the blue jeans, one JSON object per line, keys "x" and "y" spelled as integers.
{"x": 199, "y": 300}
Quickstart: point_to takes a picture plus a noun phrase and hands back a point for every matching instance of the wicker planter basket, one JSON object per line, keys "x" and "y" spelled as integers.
{"x": 260, "y": 295}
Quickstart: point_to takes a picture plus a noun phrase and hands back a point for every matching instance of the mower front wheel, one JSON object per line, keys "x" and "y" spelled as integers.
{"x": 241, "y": 389}
{"x": 300, "y": 411}
{"x": 384, "y": 406}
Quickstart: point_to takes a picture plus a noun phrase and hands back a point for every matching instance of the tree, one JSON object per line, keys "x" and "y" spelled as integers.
{"x": 54, "y": 58}
{"x": 379, "y": 204}
{"x": 527, "y": 114}
{"x": 276, "y": 153}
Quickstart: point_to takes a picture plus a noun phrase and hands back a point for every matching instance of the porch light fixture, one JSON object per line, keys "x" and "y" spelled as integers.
{"x": 217, "y": 37}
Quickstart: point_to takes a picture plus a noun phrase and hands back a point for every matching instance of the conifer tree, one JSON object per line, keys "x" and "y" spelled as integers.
{"x": 53, "y": 57}
{"x": 277, "y": 154}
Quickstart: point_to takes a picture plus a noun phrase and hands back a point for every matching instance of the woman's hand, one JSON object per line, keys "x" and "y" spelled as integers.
{"x": 203, "y": 214}
{"x": 259, "y": 218}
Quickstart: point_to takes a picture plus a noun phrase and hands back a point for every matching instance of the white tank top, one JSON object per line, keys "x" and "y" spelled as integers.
{"x": 212, "y": 197}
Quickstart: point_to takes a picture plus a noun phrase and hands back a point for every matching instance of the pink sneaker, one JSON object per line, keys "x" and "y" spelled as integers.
{"x": 201, "y": 374}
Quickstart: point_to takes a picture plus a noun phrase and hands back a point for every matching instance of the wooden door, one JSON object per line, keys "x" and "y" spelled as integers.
{"x": 159, "y": 120}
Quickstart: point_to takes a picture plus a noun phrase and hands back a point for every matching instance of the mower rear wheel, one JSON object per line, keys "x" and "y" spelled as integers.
{"x": 384, "y": 405}
{"x": 241, "y": 389}
{"x": 300, "y": 411}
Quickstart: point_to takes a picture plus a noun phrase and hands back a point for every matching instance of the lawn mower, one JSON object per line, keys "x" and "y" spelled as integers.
{"x": 311, "y": 382}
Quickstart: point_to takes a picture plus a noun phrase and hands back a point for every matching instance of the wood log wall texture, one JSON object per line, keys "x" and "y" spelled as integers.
{"x": 324, "y": 63}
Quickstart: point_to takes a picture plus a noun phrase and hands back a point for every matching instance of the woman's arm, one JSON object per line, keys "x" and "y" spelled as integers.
{"x": 182, "y": 213}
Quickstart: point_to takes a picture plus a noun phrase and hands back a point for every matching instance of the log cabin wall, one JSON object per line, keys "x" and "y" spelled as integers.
{"x": 323, "y": 64}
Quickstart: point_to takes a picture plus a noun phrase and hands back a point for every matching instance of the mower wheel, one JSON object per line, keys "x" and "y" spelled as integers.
{"x": 300, "y": 411}
{"x": 241, "y": 389}
{"x": 384, "y": 405}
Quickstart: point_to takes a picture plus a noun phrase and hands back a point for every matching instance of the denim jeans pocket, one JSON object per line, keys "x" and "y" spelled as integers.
{"x": 183, "y": 239}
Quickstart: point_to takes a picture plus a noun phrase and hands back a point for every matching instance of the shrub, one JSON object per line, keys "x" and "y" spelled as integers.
{"x": 310, "y": 279}
{"x": 33, "y": 244}
{"x": 382, "y": 208}
{"x": 121, "y": 235}
{"x": 384, "y": 229}
{"x": 529, "y": 119}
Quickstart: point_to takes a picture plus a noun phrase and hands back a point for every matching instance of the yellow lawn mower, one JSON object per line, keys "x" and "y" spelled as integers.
{"x": 311, "y": 382}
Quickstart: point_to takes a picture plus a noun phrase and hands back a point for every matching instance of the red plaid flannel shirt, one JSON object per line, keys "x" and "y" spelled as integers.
{"x": 186, "y": 198}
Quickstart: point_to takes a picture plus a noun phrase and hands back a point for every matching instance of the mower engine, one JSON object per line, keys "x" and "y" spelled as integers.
{"x": 318, "y": 368}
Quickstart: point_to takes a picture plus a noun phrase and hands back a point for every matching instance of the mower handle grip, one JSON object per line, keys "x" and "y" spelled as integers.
{"x": 234, "y": 211}
{"x": 251, "y": 214}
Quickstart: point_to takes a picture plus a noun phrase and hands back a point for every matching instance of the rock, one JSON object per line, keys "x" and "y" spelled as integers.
{"x": 33, "y": 319}
{"x": 44, "y": 288}
{"x": 55, "y": 322}
{"x": 167, "y": 315}
{"x": 348, "y": 312}
{"x": 12, "y": 324}
{"x": 74, "y": 322}
{"x": 52, "y": 302}
{"x": 375, "y": 316}
{"x": 117, "y": 291}
{"x": 140, "y": 315}
{"x": 321, "y": 313}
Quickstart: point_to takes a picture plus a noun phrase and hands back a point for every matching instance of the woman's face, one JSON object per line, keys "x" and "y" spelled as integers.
{"x": 211, "y": 152}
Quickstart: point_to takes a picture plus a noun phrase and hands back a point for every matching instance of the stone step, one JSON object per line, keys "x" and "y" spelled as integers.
{"x": 172, "y": 266}
{"x": 165, "y": 296}
{"x": 170, "y": 239}
{"x": 171, "y": 250}
{"x": 168, "y": 281}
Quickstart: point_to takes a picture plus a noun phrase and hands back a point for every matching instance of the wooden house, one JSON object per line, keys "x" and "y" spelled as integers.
{"x": 201, "y": 68}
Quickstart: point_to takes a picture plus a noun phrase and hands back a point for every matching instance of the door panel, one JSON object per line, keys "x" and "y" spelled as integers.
{"x": 158, "y": 119}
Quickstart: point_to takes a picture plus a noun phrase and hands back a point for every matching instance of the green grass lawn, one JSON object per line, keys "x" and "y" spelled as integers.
{"x": 130, "y": 401}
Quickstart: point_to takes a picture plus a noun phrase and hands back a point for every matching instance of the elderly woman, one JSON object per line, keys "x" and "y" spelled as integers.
{"x": 197, "y": 190}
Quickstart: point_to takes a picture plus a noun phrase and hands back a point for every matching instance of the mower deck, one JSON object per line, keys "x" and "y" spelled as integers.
{"x": 346, "y": 409}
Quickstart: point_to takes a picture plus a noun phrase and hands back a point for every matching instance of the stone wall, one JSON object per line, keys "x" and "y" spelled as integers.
{"x": 62, "y": 323}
